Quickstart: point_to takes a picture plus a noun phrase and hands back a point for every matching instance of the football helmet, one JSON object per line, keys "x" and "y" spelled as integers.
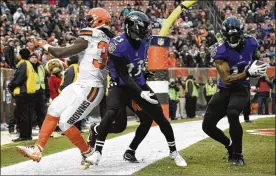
{"x": 98, "y": 17}
{"x": 232, "y": 31}
{"x": 138, "y": 26}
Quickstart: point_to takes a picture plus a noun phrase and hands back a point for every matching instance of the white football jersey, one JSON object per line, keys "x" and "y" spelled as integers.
{"x": 93, "y": 60}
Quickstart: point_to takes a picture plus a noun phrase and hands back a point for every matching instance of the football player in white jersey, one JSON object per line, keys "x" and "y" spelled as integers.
{"x": 78, "y": 99}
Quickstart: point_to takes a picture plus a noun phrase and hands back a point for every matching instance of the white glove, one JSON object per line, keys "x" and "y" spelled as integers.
{"x": 146, "y": 95}
{"x": 256, "y": 70}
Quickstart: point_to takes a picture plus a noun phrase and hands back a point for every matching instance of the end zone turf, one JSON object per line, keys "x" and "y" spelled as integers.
{"x": 206, "y": 156}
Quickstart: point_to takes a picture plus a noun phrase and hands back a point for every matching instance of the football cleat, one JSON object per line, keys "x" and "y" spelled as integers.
{"x": 238, "y": 160}
{"x": 230, "y": 153}
{"x": 92, "y": 136}
{"x": 179, "y": 161}
{"x": 85, "y": 164}
{"x": 33, "y": 152}
{"x": 94, "y": 158}
{"x": 130, "y": 156}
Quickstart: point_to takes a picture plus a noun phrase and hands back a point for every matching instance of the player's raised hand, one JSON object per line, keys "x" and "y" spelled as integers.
{"x": 147, "y": 96}
{"x": 257, "y": 68}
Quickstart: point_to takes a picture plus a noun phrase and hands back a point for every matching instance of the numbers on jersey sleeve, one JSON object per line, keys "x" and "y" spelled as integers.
{"x": 102, "y": 51}
{"x": 139, "y": 68}
{"x": 118, "y": 39}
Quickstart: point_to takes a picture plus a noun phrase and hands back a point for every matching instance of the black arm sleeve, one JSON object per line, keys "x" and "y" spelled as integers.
{"x": 19, "y": 77}
{"x": 68, "y": 78}
{"x": 121, "y": 68}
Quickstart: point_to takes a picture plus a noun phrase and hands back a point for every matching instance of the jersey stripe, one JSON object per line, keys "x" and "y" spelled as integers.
{"x": 92, "y": 95}
{"x": 86, "y": 33}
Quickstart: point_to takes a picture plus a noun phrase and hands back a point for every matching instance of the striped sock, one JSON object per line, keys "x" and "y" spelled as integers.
{"x": 99, "y": 146}
{"x": 172, "y": 146}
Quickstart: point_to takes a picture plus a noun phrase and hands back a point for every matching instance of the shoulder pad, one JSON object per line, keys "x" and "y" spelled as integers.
{"x": 218, "y": 50}
{"x": 117, "y": 46}
{"x": 253, "y": 41}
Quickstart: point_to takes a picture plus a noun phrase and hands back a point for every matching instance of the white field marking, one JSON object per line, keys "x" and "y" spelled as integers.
{"x": 153, "y": 148}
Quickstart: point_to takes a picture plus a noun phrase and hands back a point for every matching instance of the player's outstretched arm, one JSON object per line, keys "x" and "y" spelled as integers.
{"x": 62, "y": 52}
{"x": 224, "y": 72}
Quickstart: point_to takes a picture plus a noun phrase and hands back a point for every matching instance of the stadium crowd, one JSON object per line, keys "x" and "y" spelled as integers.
{"x": 192, "y": 34}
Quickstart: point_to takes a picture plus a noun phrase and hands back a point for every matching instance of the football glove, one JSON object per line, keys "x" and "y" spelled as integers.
{"x": 255, "y": 70}
{"x": 146, "y": 95}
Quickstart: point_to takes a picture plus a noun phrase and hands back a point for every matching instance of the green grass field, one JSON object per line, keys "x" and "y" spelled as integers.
{"x": 9, "y": 155}
{"x": 206, "y": 156}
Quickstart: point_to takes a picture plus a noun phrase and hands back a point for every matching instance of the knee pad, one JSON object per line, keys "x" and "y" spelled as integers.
{"x": 233, "y": 113}
{"x": 64, "y": 126}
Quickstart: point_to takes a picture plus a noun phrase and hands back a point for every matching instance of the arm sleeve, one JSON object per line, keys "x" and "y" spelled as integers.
{"x": 19, "y": 78}
{"x": 68, "y": 78}
{"x": 120, "y": 65}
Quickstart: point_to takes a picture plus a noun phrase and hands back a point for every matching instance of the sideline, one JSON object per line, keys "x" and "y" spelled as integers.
{"x": 152, "y": 149}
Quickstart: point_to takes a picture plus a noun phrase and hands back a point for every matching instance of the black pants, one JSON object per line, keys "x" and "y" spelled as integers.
{"x": 172, "y": 109}
{"x": 229, "y": 102}
{"x": 119, "y": 97}
{"x": 40, "y": 108}
{"x": 190, "y": 106}
{"x": 103, "y": 106}
{"x": 208, "y": 98}
{"x": 24, "y": 112}
{"x": 263, "y": 98}
{"x": 247, "y": 110}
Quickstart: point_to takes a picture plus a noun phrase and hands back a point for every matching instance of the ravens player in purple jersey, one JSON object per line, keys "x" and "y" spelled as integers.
{"x": 236, "y": 61}
{"x": 127, "y": 56}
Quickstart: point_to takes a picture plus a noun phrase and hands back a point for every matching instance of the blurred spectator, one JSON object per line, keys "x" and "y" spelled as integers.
{"x": 181, "y": 86}
{"x": 249, "y": 17}
{"x": 209, "y": 90}
{"x": 172, "y": 61}
{"x": 263, "y": 85}
{"x": 54, "y": 67}
{"x": 42, "y": 92}
{"x": 18, "y": 15}
{"x": 9, "y": 54}
{"x": 173, "y": 98}
{"x": 23, "y": 87}
{"x": 259, "y": 18}
{"x": 191, "y": 96}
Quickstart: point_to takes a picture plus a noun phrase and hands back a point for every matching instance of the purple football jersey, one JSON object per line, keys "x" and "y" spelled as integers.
{"x": 119, "y": 46}
{"x": 237, "y": 61}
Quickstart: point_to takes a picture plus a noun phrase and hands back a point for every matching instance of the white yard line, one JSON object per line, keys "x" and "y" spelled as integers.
{"x": 152, "y": 149}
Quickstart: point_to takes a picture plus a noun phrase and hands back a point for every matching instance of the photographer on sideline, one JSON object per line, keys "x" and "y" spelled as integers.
{"x": 173, "y": 98}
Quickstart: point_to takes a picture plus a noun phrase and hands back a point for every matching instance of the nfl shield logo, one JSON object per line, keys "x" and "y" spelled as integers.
{"x": 161, "y": 41}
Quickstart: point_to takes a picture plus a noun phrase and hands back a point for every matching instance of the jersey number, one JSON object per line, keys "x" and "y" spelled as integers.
{"x": 139, "y": 69}
{"x": 102, "y": 51}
